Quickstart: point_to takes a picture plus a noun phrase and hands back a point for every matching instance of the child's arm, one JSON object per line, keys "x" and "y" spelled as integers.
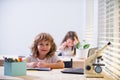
{"x": 31, "y": 64}
{"x": 58, "y": 65}
{"x": 63, "y": 46}
{"x": 75, "y": 40}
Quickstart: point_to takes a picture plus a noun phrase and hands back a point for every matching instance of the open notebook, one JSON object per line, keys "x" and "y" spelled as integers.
{"x": 40, "y": 69}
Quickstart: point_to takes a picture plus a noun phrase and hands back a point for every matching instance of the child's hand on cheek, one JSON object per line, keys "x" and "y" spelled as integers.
{"x": 75, "y": 41}
{"x": 64, "y": 44}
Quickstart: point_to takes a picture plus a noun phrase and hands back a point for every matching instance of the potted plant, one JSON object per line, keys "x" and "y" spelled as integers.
{"x": 82, "y": 49}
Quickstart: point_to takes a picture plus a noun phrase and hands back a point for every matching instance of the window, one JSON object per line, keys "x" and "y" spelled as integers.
{"x": 110, "y": 32}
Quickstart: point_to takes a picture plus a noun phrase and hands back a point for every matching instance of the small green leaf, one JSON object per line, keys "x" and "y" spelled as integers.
{"x": 78, "y": 45}
{"x": 86, "y": 46}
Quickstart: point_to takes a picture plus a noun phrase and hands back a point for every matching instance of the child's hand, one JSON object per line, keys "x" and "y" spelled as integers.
{"x": 32, "y": 64}
{"x": 42, "y": 64}
{"x": 64, "y": 44}
{"x": 75, "y": 41}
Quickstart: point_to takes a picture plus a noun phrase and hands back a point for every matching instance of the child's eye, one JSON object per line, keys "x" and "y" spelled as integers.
{"x": 40, "y": 44}
{"x": 47, "y": 44}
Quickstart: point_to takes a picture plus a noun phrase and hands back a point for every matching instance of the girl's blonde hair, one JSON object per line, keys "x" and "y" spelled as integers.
{"x": 39, "y": 38}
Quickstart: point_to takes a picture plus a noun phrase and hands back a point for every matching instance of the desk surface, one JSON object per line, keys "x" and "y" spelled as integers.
{"x": 55, "y": 74}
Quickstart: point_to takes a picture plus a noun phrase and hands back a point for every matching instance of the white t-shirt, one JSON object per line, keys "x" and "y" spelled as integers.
{"x": 52, "y": 59}
{"x": 65, "y": 52}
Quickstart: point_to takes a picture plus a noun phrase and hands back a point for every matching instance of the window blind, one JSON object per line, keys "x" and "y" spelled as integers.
{"x": 90, "y": 28}
{"x": 109, "y": 30}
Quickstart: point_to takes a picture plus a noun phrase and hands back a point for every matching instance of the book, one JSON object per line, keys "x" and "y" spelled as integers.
{"x": 40, "y": 69}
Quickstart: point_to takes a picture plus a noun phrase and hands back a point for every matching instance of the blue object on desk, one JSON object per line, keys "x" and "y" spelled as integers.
{"x": 60, "y": 54}
{"x": 68, "y": 64}
{"x": 15, "y": 68}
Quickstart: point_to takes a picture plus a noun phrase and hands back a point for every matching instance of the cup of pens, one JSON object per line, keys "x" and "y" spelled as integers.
{"x": 14, "y": 67}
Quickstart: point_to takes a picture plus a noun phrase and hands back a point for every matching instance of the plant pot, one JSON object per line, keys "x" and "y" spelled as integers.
{"x": 81, "y": 53}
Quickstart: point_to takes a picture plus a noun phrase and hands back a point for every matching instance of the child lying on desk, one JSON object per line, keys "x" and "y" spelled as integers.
{"x": 43, "y": 53}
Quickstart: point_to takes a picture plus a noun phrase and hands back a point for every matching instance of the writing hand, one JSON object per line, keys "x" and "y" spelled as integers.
{"x": 32, "y": 64}
{"x": 41, "y": 64}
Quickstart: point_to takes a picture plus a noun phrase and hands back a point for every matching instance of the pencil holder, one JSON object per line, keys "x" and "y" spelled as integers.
{"x": 15, "y": 68}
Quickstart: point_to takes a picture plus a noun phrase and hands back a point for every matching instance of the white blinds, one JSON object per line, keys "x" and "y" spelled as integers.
{"x": 90, "y": 32}
{"x": 109, "y": 30}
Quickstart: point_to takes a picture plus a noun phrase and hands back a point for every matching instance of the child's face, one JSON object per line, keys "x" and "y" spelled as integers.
{"x": 70, "y": 42}
{"x": 44, "y": 47}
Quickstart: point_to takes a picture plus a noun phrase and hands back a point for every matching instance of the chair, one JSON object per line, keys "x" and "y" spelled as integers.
{"x": 68, "y": 64}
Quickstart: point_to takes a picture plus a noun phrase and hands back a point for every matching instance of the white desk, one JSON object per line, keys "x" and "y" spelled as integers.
{"x": 55, "y": 74}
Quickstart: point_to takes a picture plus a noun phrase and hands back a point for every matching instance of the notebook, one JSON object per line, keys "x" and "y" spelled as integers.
{"x": 40, "y": 69}
{"x": 73, "y": 71}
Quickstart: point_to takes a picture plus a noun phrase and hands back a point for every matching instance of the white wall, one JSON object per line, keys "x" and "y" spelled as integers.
{"x": 22, "y": 20}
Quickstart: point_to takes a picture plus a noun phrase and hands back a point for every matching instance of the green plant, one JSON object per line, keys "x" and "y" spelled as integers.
{"x": 82, "y": 45}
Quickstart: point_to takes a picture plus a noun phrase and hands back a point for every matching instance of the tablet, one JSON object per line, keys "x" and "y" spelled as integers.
{"x": 73, "y": 71}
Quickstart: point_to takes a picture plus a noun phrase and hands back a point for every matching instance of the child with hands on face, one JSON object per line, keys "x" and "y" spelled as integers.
{"x": 68, "y": 45}
{"x": 43, "y": 53}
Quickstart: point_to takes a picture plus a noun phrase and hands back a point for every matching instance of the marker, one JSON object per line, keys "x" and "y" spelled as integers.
{"x": 5, "y": 59}
{"x": 16, "y": 60}
{"x": 19, "y": 59}
{"x": 10, "y": 60}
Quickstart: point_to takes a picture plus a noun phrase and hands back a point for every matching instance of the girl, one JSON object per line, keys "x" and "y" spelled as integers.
{"x": 68, "y": 45}
{"x": 43, "y": 53}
